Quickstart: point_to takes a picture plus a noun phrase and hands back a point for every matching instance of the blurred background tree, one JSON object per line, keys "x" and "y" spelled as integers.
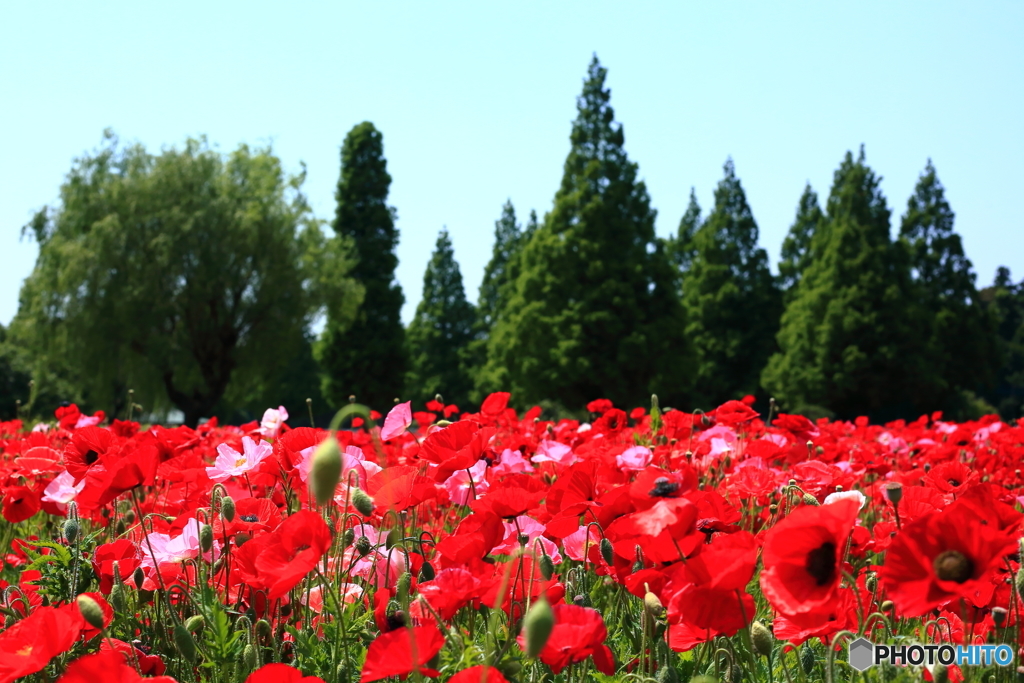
{"x": 366, "y": 357}
{"x": 190, "y": 276}
{"x": 440, "y": 333}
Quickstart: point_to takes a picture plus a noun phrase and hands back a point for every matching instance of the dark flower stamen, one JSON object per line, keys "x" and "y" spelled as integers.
{"x": 953, "y": 566}
{"x": 663, "y": 488}
{"x": 821, "y": 563}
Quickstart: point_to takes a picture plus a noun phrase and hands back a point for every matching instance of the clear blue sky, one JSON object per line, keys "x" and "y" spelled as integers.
{"x": 475, "y": 101}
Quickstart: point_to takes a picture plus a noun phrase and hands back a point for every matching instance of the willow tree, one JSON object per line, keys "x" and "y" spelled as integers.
{"x": 188, "y": 276}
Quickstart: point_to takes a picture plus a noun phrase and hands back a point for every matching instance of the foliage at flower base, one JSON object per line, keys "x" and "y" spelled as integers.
{"x": 504, "y": 547}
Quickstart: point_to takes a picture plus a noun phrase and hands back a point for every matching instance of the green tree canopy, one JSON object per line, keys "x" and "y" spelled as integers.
{"x": 1005, "y": 301}
{"x": 731, "y": 300}
{"x": 848, "y": 340}
{"x": 188, "y": 276}
{"x": 960, "y": 346}
{"x": 367, "y": 357}
{"x": 594, "y": 310}
{"x": 796, "y": 248}
{"x": 440, "y": 333}
{"x": 680, "y": 246}
{"x": 14, "y": 385}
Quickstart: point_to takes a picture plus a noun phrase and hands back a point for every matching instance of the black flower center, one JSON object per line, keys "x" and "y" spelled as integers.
{"x": 249, "y": 518}
{"x": 953, "y": 566}
{"x": 663, "y": 488}
{"x": 91, "y": 456}
{"x": 821, "y": 563}
{"x": 953, "y": 482}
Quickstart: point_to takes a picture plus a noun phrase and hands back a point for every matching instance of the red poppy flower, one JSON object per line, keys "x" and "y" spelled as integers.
{"x": 479, "y": 674}
{"x": 803, "y": 555}
{"x": 280, "y": 673}
{"x": 87, "y": 446}
{"x": 450, "y": 590}
{"x": 29, "y": 645}
{"x": 943, "y": 556}
{"x": 149, "y": 664}
{"x": 293, "y": 549}
{"x": 20, "y": 503}
{"x": 109, "y": 667}
{"x": 495, "y": 404}
{"x": 474, "y": 538}
{"x": 399, "y": 652}
{"x": 578, "y": 633}
{"x": 514, "y": 495}
{"x": 122, "y": 551}
{"x": 455, "y": 447}
{"x": 734, "y": 413}
{"x": 252, "y": 515}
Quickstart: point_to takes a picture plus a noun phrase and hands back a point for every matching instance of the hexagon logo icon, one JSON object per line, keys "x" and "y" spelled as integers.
{"x": 861, "y": 656}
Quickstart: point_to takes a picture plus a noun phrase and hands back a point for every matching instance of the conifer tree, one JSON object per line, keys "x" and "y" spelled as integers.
{"x": 680, "y": 246}
{"x": 1005, "y": 302}
{"x": 506, "y": 241}
{"x": 961, "y": 337}
{"x": 440, "y": 333}
{"x": 730, "y": 298}
{"x": 848, "y": 337}
{"x": 594, "y": 311}
{"x": 796, "y": 248}
{"x": 366, "y": 359}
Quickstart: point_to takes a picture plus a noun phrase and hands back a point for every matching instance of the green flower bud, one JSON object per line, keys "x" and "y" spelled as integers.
{"x": 362, "y": 502}
{"x": 807, "y": 659}
{"x": 810, "y": 500}
{"x": 667, "y": 674}
{"x": 263, "y": 629}
{"x": 547, "y": 566}
{"x": 117, "y": 598}
{"x": 206, "y": 537}
{"x": 227, "y": 508}
{"x": 607, "y": 551}
{"x": 138, "y": 576}
{"x": 70, "y": 530}
{"x": 194, "y": 623}
{"x": 653, "y": 604}
{"x": 403, "y": 586}
{"x": 427, "y": 572}
{"x": 537, "y": 626}
{"x": 363, "y": 546}
{"x": 325, "y": 472}
{"x": 762, "y": 638}
{"x": 349, "y": 537}
{"x": 91, "y": 611}
{"x": 249, "y": 658}
{"x": 185, "y": 643}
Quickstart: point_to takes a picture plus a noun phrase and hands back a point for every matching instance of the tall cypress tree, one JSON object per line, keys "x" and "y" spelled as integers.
{"x": 440, "y": 333}
{"x": 494, "y": 291}
{"x": 848, "y": 335}
{"x": 594, "y": 310}
{"x": 680, "y": 245}
{"x": 961, "y": 336}
{"x": 368, "y": 358}
{"x": 731, "y": 300}
{"x": 796, "y": 248}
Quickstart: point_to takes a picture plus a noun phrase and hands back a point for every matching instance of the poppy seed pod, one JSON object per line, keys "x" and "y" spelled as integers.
{"x": 325, "y": 471}
{"x": 762, "y": 639}
{"x": 894, "y": 492}
{"x": 362, "y": 502}
{"x": 91, "y": 611}
{"x": 537, "y": 626}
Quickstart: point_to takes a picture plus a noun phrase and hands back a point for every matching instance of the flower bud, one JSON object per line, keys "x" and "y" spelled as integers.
{"x": 402, "y": 589}
{"x": 537, "y": 626}
{"x": 194, "y": 623}
{"x": 263, "y": 629}
{"x": 185, "y": 643}
{"x": 547, "y": 566}
{"x": 810, "y": 500}
{"x": 349, "y": 537}
{"x": 206, "y": 537}
{"x": 887, "y": 605}
{"x": 427, "y": 572}
{"x": 363, "y": 546}
{"x": 607, "y": 551}
{"x": 117, "y": 598}
{"x": 807, "y": 659}
{"x": 762, "y": 639}
{"x": 70, "y": 530}
{"x": 653, "y": 604}
{"x": 667, "y": 674}
{"x": 227, "y": 508}
{"x": 91, "y": 611}
{"x": 249, "y": 658}
{"x": 139, "y": 577}
{"x": 325, "y": 470}
{"x": 362, "y": 502}
{"x": 999, "y": 616}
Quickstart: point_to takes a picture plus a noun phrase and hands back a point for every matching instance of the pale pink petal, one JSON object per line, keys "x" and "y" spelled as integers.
{"x": 397, "y": 421}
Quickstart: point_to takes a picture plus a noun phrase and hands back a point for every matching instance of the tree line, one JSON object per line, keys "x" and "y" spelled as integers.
{"x": 194, "y": 279}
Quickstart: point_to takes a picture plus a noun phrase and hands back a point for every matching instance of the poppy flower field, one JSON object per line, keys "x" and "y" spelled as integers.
{"x": 501, "y": 546}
